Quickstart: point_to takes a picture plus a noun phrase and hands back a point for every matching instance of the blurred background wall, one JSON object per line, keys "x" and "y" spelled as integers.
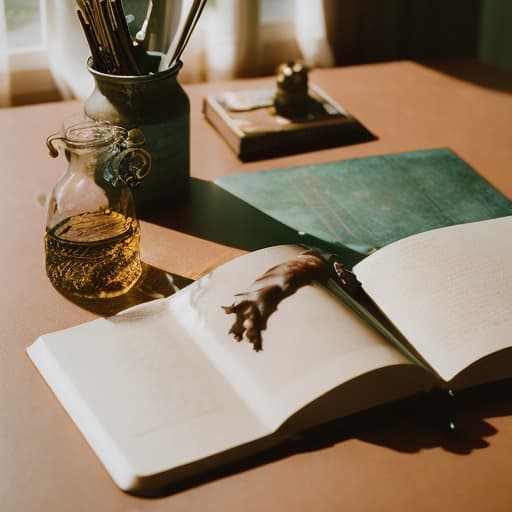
{"x": 43, "y": 49}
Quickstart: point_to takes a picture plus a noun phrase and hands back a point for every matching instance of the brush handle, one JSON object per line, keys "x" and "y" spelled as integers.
{"x": 175, "y": 50}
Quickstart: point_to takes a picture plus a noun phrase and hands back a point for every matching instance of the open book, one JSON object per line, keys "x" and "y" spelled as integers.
{"x": 162, "y": 391}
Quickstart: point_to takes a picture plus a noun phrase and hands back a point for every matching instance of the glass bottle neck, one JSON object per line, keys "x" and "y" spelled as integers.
{"x": 90, "y": 160}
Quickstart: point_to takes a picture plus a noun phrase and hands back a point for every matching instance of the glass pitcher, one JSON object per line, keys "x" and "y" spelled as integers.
{"x": 92, "y": 232}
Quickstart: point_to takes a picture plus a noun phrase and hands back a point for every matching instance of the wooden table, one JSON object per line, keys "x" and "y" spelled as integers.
{"x": 396, "y": 464}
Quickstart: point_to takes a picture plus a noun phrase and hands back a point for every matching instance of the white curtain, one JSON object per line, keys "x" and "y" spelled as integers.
{"x": 311, "y": 33}
{"x": 5, "y": 82}
{"x": 67, "y": 49}
{"x": 232, "y": 41}
{"x": 229, "y": 41}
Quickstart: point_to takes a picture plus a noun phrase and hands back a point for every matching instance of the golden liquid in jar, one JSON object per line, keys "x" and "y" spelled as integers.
{"x": 94, "y": 254}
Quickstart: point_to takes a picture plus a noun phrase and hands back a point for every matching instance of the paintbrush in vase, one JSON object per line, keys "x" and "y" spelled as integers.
{"x": 132, "y": 37}
{"x": 106, "y": 31}
{"x": 153, "y": 26}
{"x": 190, "y": 17}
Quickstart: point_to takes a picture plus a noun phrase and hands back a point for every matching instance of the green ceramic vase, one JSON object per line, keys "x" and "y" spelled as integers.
{"x": 158, "y": 105}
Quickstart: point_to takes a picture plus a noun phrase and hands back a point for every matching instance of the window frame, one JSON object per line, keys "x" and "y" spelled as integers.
{"x": 29, "y": 68}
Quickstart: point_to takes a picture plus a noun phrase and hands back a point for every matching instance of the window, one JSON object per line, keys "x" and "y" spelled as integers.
{"x": 30, "y": 77}
{"x": 25, "y": 34}
{"x": 23, "y": 21}
{"x": 277, "y": 12}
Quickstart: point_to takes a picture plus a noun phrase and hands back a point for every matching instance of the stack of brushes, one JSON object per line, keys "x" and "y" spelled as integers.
{"x": 113, "y": 49}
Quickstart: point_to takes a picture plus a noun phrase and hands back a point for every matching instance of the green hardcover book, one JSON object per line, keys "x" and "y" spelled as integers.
{"x": 367, "y": 203}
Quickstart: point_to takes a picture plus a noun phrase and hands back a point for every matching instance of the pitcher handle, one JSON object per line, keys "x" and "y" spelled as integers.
{"x": 133, "y": 165}
{"x": 50, "y": 144}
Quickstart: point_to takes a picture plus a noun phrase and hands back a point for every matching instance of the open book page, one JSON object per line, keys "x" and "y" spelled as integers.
{"x": 142, "y": 393}
{"x": 449, "y": 291}
{"x": 312, "y": 343}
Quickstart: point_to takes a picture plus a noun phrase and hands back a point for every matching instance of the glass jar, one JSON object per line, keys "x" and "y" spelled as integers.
{"x": 157, "y": 104}
{"x": 92, "y": 232}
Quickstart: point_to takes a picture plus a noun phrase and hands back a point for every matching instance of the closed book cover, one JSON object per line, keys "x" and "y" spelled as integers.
{"x": 367, "y": 203}
{"x": 254, "y": 130}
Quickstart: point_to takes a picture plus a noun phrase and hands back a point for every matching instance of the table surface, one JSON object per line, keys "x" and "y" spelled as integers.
{"x": 396, "y": 464}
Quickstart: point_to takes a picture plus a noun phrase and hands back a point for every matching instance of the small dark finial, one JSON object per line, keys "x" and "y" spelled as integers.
{"x": 291, "y": 98}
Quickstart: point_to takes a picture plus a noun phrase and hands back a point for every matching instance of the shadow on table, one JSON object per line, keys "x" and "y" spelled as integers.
{"x": 154, "y": 283}
{"x": 475, "y": 72}
{"x": 409, "y": 426}
{"x": 211, "y": 213}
